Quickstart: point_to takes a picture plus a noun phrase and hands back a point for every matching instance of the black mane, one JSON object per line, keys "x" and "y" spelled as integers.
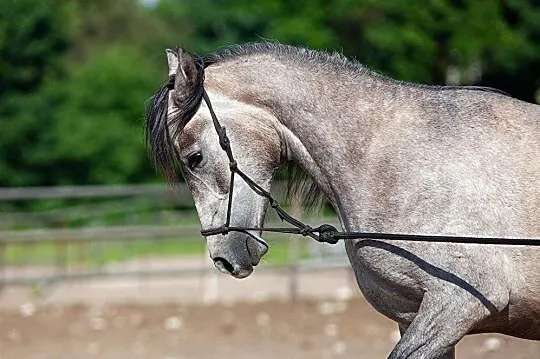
{"x": 158, "y": 137}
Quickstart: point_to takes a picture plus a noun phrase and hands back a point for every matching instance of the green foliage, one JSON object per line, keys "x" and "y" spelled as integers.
{"x": 75, "y": 74}
{"x": 26, "y": 119}
{"x": 33, "y": 34}
{"x": 33, "y": 37}
{"x": 444, "y": 41}
{"x": 436, "y": 41}
{"x": 97, "y": 134}
{"x": 77, "y": 118}
{"x": 207, "y": 25}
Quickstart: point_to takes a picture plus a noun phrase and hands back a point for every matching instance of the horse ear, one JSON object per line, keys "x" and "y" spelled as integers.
{"x": 172, "y": 61}
{"x": 187, "y": 72}
{"x": 183, "y": 65}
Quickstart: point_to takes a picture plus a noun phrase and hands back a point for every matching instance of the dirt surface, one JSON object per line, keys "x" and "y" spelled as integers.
{"x": 208, "y": 316}
{"x": 270, "y": 329}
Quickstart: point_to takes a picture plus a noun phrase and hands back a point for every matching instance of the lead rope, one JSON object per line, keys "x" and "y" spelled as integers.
{"x": 326, "y": 232}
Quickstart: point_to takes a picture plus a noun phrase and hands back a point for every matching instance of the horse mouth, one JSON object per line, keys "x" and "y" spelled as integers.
{"x": 224, "y": 266}
{"x": 243, "y": 273}
{"x": 256, "y": 248}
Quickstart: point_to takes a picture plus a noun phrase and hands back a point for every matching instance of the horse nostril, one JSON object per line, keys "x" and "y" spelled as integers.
{"x": 223, "y": 265}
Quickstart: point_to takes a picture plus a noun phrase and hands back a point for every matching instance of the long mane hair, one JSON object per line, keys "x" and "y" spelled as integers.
{"x": 158, "y": 123}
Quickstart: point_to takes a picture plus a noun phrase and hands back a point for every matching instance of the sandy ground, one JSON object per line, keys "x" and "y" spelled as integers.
{"x": 271, "y": 329}
{"x": 211, "y": 316}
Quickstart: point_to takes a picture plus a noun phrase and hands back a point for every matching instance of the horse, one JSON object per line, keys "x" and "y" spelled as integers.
{"x": 389, "y": 156}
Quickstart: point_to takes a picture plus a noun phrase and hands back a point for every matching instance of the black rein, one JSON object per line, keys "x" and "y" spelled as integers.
{"x": 324, "y": 233}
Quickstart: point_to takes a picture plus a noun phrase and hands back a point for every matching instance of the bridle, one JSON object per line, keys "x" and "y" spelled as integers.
{"x": 324, "y": 233}
{"x": 299, "y": 227}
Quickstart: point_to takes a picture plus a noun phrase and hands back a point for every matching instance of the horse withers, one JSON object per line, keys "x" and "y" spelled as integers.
{"x": 389, "y": 156}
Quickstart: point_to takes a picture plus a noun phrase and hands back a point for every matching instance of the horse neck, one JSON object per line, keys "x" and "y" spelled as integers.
{"x": 328, "y": 117}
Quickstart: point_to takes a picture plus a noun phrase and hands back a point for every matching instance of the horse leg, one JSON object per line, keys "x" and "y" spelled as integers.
{"x": 438, "y": 326}
{"x": 451, "y": 354}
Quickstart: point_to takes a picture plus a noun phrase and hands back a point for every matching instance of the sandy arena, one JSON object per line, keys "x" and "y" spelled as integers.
{"x": 167, "y": 319}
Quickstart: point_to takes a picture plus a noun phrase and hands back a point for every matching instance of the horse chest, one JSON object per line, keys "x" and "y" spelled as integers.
{"x": 391, "y": 287}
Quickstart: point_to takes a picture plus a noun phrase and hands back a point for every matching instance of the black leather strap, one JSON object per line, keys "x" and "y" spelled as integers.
{"x": 324, "y": 233}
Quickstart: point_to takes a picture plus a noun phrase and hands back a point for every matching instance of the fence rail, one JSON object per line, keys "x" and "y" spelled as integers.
{"x": 96, "y": 234}
{"x": 178, "y": 192}
{"x": 63, "y": 192}
{"x": 70, "y": 247}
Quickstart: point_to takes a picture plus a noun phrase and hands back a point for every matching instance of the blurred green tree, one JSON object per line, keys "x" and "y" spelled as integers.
{"x": 33, "y": 38}
{"x": 435, "y": 41}
{"x": 446, "y": 41}
{"x": 74, "y": 79}
{"x": 97, "y": 135}
{"x": 75, "y": 74}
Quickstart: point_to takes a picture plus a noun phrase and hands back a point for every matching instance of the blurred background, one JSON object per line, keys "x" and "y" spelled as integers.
{"x": 99, "y": 259}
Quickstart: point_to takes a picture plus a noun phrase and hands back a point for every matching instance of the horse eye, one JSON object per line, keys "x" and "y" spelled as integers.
{"x": 194, "y": 160}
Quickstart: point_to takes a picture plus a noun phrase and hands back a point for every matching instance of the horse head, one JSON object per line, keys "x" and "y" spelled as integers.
{"x": 182, "y": 140}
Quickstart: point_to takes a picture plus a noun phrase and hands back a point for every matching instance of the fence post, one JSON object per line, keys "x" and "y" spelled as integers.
{"x": 294, "y": 251}
{"x": 2, "y": 274}
{"x": 210, "y": 281}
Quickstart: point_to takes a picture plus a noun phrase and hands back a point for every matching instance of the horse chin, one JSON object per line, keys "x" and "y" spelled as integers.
{"x": 243, "y": 252}
{"x": 256, "y": 248}
{"x": 243, "y": 273}
{"x": 234, "y": 269}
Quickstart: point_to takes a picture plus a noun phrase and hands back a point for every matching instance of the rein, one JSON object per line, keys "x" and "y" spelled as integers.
{"x": 325, "y": 233}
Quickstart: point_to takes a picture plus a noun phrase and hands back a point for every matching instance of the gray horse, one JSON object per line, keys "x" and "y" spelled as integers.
{"x": 390, "y": 157}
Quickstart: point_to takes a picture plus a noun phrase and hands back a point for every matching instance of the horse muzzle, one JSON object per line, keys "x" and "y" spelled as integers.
{"x": 238, "y": 253}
